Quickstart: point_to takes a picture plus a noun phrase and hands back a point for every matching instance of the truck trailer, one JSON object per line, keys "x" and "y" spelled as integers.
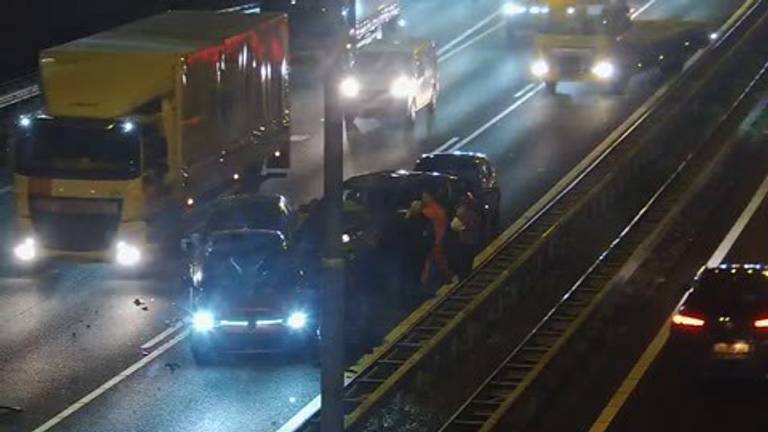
{"x": 141, "y": 125}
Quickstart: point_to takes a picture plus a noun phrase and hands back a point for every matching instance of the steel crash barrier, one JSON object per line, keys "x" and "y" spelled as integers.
{"x": 429, "y": 344}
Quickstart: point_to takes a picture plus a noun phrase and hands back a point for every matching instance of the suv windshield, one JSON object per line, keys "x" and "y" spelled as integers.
{"x": 71, "y": 150}
{"x": 238, "y": 261}
{"x": 383, "y": 64}
{"x": 232, "y": 216}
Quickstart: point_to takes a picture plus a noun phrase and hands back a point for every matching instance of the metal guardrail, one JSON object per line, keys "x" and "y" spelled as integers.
{"x": 439, "y": 325}
{"x": 18, "y": 90}
{"x": 504, "y": 387}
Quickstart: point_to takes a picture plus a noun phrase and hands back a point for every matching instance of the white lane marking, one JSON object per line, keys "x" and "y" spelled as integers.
{"x": 523, "y": 90}
{"x": 498, "y": 117}
{"x": 296, "y": 138}
{"x": 467, "y": 33}
{"x": 159, "y": 338}
{"x": 642, "y": 9}
{"x": 739, "y": 226}
{"x": 447, "y": 144}
{"x": 308, "y": 411}
{"x": 461, "y": 47}
{"x": 5, "y": 190}
{"x": 111, "y": 383}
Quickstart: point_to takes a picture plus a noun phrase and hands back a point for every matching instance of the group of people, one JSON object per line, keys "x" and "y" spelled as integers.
{"x": 455, "y": 234}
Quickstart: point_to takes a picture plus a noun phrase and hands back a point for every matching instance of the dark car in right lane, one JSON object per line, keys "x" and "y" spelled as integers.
{"x": 721, "y": 325}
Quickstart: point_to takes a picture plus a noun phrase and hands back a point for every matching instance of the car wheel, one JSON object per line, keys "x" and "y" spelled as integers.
{"x": 551, "y": 87}
{"x": 203, "y": 355}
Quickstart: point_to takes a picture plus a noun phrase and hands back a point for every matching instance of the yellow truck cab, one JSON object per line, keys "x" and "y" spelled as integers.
{"x": 599, "y": 42}
{"x": 141, "y": 125}
{"x": 392, "y": 78}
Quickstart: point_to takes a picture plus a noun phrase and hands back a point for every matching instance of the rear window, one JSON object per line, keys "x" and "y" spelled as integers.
{"x": 730, "y": 291}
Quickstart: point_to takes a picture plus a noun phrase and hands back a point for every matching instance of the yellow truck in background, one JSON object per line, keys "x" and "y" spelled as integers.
{"x": 600, "y": 42}
{"x": 142, "y": 124}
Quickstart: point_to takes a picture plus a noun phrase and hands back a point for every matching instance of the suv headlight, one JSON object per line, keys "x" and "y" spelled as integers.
{"x": 349, "y": 87}
{"x": 539, "y": 68}
{"x": 403, "y": 87}
{"x": 202, "y": 321}
{"x": 126, "y": 254}
{"x": 297, "y": 320}
{"x": 604, "y": 69}
{"x": 26, "y": 251}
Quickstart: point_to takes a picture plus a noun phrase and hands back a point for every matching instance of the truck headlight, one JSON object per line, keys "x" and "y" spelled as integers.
{"x": 512, "y": 9}
{"x": 202, "y": 321}
{"x": 403, "y": 87}
{"x": 538, "y": 10}
{"x": 26, "y": 251}
{"x": 297, "y": 320}
{"x": 539, "y": 68}
{"x": 126, "y": 254}
{"x": 349, "y": 87}
{"x": 604, "y": 69}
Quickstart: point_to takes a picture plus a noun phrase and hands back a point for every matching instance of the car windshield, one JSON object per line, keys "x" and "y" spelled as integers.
{"x": 240, "y": 215}
{"x": 70, "y": 150}
{"x": 382, "y": 64}
{"x": 464, "y": 168}
{"x": 238, "y": 261}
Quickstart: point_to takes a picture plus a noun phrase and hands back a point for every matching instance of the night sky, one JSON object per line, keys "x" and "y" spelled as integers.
{"x": 30, "y": 25}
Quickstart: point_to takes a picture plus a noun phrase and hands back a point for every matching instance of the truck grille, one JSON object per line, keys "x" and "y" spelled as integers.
{"x": 74, "y": 224}
{"x": 573, "y": 61}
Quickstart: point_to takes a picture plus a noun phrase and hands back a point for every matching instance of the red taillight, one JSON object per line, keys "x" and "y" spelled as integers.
{"x": 687, "y": 320}
{"x": 761, "y": 323}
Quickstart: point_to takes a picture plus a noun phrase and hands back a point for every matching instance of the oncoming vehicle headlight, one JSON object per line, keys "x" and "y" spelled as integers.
{"x": 604, "y": 69}
{"x": 202, "y": 321}
{"x": 539, "y": 68}
{"x": 403, "y": 87}
{"x": 26, "y": 251}
{"x": 126, "y": 254}
{"x": 349, "y": 87}
{"x": 512, "y": 8}
{"x": 297, "y": 320}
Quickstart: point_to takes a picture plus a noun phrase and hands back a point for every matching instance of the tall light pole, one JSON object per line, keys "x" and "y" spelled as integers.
{"x": 332, "y": 349}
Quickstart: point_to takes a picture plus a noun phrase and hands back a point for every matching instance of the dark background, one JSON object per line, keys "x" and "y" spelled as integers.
{"x": 30, "y": 25}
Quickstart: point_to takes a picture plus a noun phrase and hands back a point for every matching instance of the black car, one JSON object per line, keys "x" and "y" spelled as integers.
{"x": 250, "y": 295}
{"x": 478, "y": 175}
{"x": 252, "y": 211}
{"x": 722, "y": 323}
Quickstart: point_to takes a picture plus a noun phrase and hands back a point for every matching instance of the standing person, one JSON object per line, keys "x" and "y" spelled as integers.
{"x": 436, "y": 269}
{"x": 466, "y": 224}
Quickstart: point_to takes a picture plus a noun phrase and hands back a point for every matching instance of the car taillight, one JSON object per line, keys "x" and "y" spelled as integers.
{"x": 687, "y": 321}
{"x": 761, "y": 323}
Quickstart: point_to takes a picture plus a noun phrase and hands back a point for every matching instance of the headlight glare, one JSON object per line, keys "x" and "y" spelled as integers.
{"x": 297, "y": 320}
{"x": 349, "y": 87}
{"x": 512, "y": 8}
{"x": 604, "y": 69}
{"x": 403, "y": 87}
{"x": 202, "y": 321}
{"x": 26, "y": 251}
{"x": 539, "y": 68}
{"x": 126, "y": 254}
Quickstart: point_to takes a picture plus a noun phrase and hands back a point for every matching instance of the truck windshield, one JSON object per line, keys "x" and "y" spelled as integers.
{"x": 63, "y": 149}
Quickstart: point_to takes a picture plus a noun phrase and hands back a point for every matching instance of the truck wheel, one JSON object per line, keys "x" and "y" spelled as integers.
{"x": 551, "y": 87}
{"x": 409, "y": 117}
{"x": 433, "y": 101}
